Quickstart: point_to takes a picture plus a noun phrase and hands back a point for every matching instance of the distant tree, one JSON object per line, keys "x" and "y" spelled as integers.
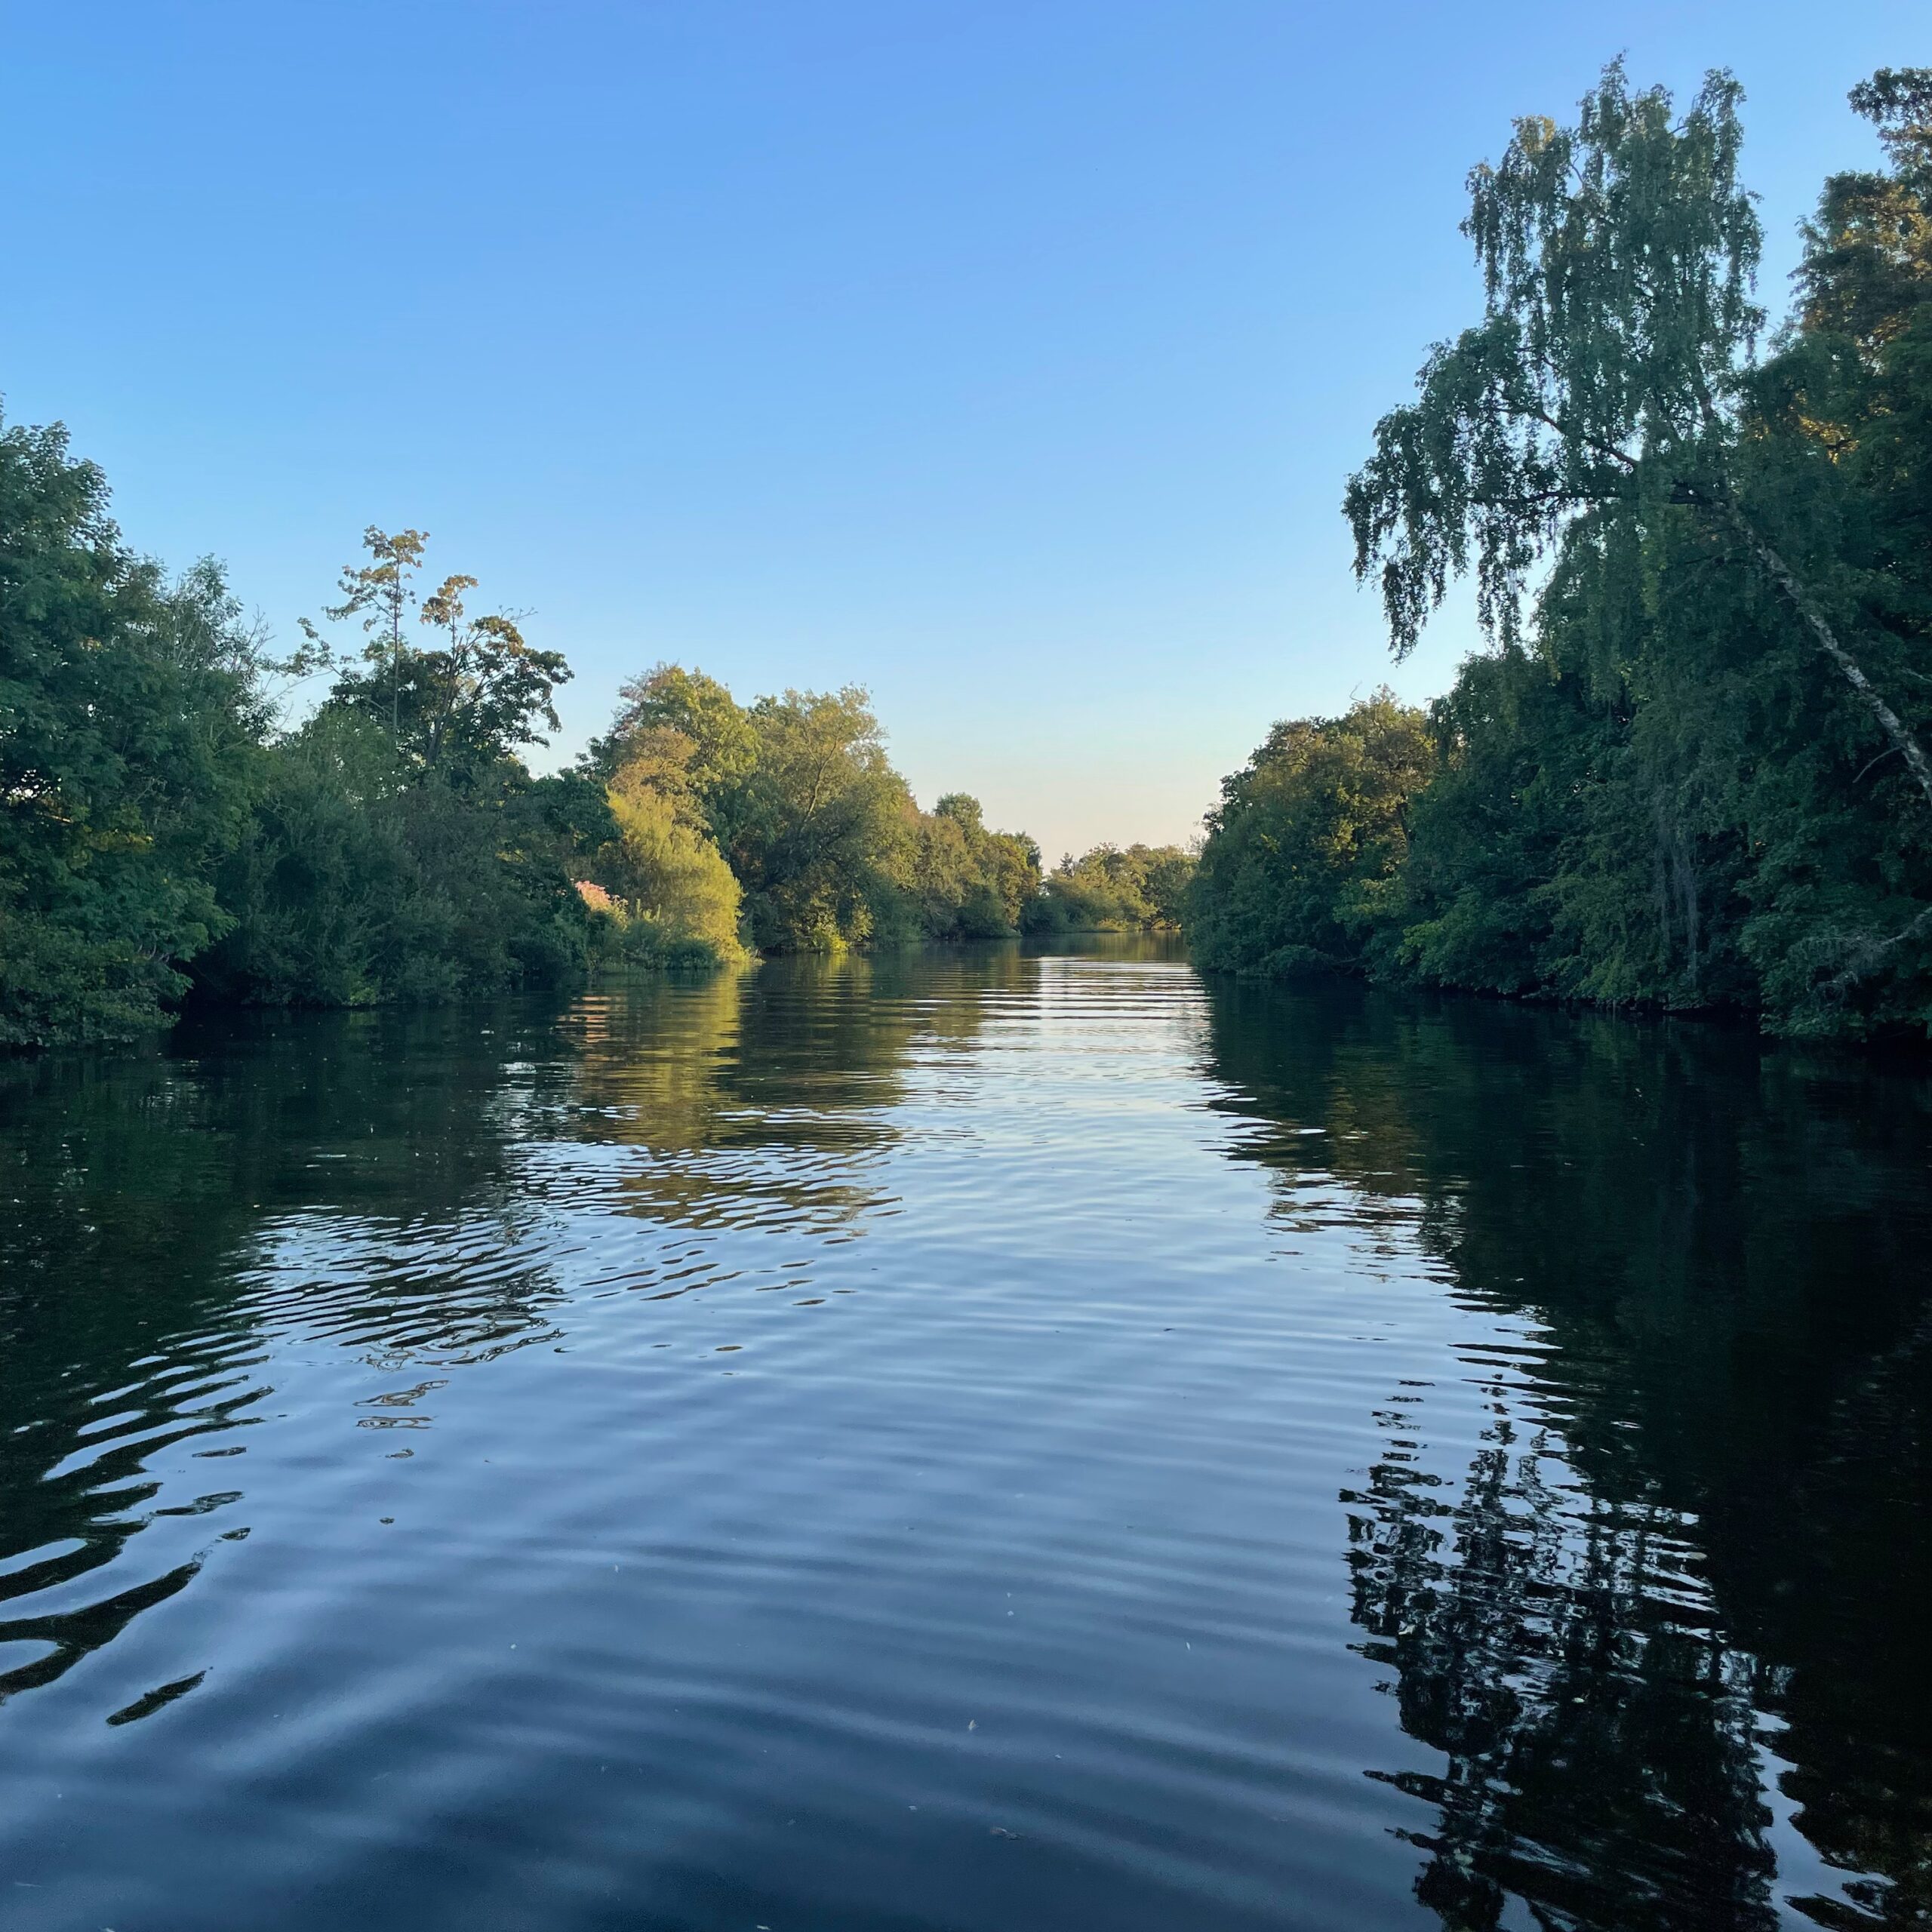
{"x": 1302, "y": 864}
{"x": 378, "y": 596}
{"x": 825, "y": 837}
{"x": 673, "y": 881}
{"x": 460, "y": 708}
{"x": 964, "y": 810}
{"x": 820, "y": 819}
{"x": 965, "y": 881}
{"x": 401, "y": 850}
{"x": 1166, "y": 879}
{"x": 670, "y": 698}
{"x": 1111, "y": 888}
{"x": 481, "y": 694}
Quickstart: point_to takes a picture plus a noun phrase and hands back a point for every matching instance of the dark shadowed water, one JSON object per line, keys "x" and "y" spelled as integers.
{"x": 989, "y": 1442}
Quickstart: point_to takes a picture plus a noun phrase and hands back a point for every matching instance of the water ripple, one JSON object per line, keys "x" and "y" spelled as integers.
{"x": 979, "y": 1441}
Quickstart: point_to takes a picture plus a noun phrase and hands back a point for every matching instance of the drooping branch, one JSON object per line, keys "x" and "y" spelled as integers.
{"x": 1617, "y": 259}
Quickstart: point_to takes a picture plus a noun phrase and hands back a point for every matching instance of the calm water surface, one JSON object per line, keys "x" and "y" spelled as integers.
{"x": 988, "y": 1442}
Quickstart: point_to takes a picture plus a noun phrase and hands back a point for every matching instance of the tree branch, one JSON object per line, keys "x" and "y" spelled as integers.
{"x": 1868, "y": 954}
{"x": 1609, "y": 451}
{"x": 1780, "y": 573}
{"x": 1561, "y": 496}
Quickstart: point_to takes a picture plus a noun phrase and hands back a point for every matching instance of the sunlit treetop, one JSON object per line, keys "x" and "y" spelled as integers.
{"x": 1617, "y": 259}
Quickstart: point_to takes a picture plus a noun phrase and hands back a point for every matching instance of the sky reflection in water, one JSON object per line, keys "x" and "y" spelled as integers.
{"x": 982, "y": 1440}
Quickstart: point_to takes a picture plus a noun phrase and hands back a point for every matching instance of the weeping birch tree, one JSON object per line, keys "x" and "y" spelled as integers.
{"x": 1603, "y": 393}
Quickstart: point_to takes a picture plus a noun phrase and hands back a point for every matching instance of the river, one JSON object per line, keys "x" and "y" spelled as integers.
{"x": 987, "y": 1441}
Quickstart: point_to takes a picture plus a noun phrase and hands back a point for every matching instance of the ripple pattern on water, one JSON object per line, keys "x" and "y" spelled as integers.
{"x": 979, "y": 1441}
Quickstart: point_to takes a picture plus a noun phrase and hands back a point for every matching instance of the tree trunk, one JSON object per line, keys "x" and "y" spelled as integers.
{"x": 1779, "y": 572}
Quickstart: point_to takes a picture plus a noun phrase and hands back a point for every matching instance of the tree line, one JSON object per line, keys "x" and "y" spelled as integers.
{"x": 1689, "y": 771}
{"x": 166, "y": 837}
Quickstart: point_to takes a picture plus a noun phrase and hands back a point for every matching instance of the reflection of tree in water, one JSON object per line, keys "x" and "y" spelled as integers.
{"x": 1712, "y": 1449}
{"x": 762, "y": 1100}
{"x": 388, "y": 1184}
{"x": 162, "y": 1217}
{"x": 1597, "y": 1727}
{"x": 741, "y": 1124}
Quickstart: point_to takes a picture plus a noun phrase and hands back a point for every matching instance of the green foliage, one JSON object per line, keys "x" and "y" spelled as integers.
{"x": 815, "y": 826}
{"x": 1487, "y": 834}
{"x": 1136, "y": 888}
{"x": 464, "y": 705}
{"x": 1617, "y": 258}
{"x": 959, "y": 879}
{"x": 822, "y": 834}
{"x": 128, "y": 709}
{"x": 1695, "y": 776}
{"x": 367, "y": 879}
{"x": 724, "y": 746}
{"x": 161, "y": 836}
{"x": 675, "y": 899}
{"x": 399, "y": 850}
{"x": 1303, "y": 859}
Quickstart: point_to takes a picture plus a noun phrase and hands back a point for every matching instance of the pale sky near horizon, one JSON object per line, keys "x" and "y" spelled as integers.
{"x": 1006, "y": 359}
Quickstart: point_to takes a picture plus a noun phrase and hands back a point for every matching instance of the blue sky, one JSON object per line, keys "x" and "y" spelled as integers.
{"x": 1007, "y": 359}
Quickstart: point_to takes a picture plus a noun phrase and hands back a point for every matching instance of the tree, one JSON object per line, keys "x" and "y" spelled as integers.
{"x": 480, "y": 694}
{"x": 1695, "y": 777}
{"x": 1111, "y": 888}
{"x": 461, "y": 708}
{"x": 400, "y": 850}
{"x": 130, "y": 708}
{"x": 1868, "y": 254}
{"x": 363, "y": 882}
{"x": 1600, "y": 398}
{"x": 378, "y": 594}
{"x": 824, "y": 836}
{"x": 668, "y": 697}
{"x": 1303, "y": 859}
{"x": 678, "y": 896}
{"x": 966, "y": 880}
{"x": 1166, "y": 880}
{"x": 817, "y": 819}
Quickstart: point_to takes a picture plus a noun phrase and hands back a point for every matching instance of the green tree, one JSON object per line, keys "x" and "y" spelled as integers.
{"x": 815, "y": 827}
{"x": 463, "y": 706}
{"x": 378, "y": 596}
{"x": 827, "y": 841}
{"x": 129, "y": 709}
{"x": 1302, "y": 864}
{"x": 401, "y": 850}
{"x": 1841, "y": 929}
{"x": 1111, "y": 888}
{"x": 1678, "y": 783}
{"x": 964, "y": 880}
{"x": 482, "y": 692}
{"x": 680, "y": 901}
{"x": 724, "y": 744}
{"x": 1598, "y": 402}
{"x": 363, "y": 882}
{"x": 1166, "y": 876}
